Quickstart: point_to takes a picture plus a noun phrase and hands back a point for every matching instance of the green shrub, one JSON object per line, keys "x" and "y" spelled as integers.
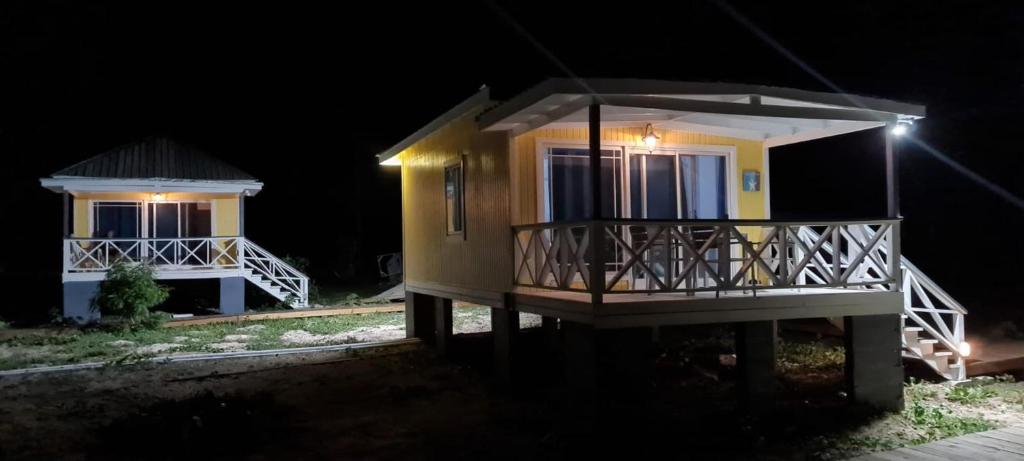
{"x": 970, "y": 395}
{"x": 936, "y": 423}
{"x": 129, "y": 292}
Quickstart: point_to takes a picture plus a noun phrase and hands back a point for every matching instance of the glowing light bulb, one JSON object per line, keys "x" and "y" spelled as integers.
{"x": 965, "y": 349}
{"x": 158, "y": 197}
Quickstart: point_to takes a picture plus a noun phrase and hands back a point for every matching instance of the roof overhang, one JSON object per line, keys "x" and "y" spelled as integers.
{"x": 75, "y": 184}
{"x": 480, "y": 99}
{"x": 773, "y": 115}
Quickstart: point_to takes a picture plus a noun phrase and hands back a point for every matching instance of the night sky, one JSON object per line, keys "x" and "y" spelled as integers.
{"x": 303, "y": 95}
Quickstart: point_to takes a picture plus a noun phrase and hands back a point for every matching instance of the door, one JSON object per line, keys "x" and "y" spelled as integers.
{"x": 119, "y": 221}
{"x": 179, "y": 230}
{"x": 670, "y": 185}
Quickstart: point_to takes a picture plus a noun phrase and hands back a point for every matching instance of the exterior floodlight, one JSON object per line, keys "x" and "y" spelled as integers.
{"x": 393, "y": 161}
{"x": 902, "y": 127}
{"x": 965, "y": 349}
{"x": 650, "y": 138}
{"x": 158, "y": 197}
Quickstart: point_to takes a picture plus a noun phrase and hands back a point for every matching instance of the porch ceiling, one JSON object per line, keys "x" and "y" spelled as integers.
{"x": 777, "y": 116}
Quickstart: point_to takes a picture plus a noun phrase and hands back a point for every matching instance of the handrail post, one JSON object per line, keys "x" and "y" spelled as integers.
{"x": 895, "y": 257}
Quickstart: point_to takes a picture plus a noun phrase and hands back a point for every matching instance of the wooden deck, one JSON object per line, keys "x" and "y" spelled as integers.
{"x": 1001, "y": 444}
{"x": 641, "y": 309}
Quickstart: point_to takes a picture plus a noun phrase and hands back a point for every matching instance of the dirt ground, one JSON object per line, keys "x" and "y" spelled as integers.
{"x": 406, "y": 403}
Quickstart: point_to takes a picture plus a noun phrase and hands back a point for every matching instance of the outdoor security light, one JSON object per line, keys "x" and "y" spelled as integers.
{"x": 902, "y": 127}
{"x": 650, "y": 138}
{"x": 965, "y": 349}
{"x": 158, "y": 197}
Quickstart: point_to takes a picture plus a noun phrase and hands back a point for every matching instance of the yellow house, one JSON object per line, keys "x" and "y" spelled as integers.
{"x": 169, "y": 205}
{"x": 501, "y": 206}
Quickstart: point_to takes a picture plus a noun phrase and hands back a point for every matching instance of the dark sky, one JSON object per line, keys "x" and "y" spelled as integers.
{"x": 303, "y": 95}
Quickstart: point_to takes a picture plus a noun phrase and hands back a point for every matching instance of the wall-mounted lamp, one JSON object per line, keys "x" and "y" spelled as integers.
{"x": 902, "y": 127}
{"x": 650, "y": 138}
{"x": 158, "y": 197}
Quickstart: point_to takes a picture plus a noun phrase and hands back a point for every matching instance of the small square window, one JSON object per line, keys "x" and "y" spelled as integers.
{"x": 454, "y": 203}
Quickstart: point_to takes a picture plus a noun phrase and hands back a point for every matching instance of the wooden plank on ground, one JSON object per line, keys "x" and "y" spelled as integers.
{"x": 278, "y": 315}
{"x": 1003, "y": 435}
{"x": 1005, "y": 445}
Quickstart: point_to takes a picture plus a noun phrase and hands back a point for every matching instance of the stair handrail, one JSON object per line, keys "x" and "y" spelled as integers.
{"x": 950, "y": 339}
{"x": 289, "y": 275}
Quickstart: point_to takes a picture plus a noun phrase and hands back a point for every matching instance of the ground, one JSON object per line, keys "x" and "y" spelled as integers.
{"x": 410, "y": 404}
{"x": 50, "y": 346}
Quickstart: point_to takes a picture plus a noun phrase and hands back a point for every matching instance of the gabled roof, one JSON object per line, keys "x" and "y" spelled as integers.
{"x": 155, "y": 158}
{"x": 153, "y": 164}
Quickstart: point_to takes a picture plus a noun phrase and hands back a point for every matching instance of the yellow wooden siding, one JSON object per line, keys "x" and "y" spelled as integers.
{"x": 225, "y": 219}
{"x": 80, "y": 211}
{"x": 749, "y": 155}
{"x": 225, "y": 208}
{"x": 482, "y": 259}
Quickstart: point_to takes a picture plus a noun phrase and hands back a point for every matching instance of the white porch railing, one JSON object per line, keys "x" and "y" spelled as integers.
{"x": 179, "y": 256}
{"x": 97, "y": 255}
{"x": 645, "y": 256}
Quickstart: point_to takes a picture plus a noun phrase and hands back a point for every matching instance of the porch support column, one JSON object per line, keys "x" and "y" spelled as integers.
{"x": 419, "y": 316}
{"x": 892, "y": 174}
{"x": 874, "y": 366}
{"x": 505, "y": 329}
{"x": 755, "y": 361}
{"x": 596, "y": 228}
{"x": 232, "y": 295}
{"x": 67, "y": 210}
{"x": 443, "y": 325}
{"x": 78, "y": 301}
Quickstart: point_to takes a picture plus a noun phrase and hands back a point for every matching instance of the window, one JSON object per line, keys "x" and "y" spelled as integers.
{"x": 568, "y": 183}
{"x": 454, "y": 202}
{"x": 117, "y": 219}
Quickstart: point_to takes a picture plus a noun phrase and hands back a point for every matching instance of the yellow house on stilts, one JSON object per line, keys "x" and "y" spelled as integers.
{"x": 175, "y": 207}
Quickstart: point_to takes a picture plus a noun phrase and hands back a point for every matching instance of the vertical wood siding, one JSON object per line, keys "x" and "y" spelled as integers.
{"x": 748, "y": 156}
{"x": 482, "y": 259}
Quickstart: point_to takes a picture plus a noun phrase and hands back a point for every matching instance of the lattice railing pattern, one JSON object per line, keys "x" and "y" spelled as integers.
{"x": 97, "y": 255}
{"x": 690, "y": 256}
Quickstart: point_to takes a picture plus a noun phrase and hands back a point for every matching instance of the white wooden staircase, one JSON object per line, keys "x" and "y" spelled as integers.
{"x": 274, "y": 276}
{"x": 932, "y": 321}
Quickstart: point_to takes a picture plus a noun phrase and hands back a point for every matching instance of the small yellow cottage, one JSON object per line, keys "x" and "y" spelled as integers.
{"x": 163, "y": 203}
{"x": 614, "y": 206}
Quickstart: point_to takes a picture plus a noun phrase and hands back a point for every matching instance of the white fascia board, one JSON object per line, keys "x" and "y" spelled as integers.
{"x": 76, "y": 184}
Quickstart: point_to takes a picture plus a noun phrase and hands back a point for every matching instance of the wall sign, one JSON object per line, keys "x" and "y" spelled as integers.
{"x": 751, "y": 181}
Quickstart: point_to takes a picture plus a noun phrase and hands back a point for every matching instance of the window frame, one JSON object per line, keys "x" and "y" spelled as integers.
{"x": 461, "y": 231}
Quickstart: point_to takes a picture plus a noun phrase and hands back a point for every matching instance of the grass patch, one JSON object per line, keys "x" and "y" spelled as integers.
{"x": 813, "y": 357}
{"x": 98, "y": 345}
{"x": 970, "y": 395}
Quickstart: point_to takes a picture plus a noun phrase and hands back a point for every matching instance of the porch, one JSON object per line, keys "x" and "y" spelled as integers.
{"x": 89, "y": 259}
{"x": 702, "y": 271}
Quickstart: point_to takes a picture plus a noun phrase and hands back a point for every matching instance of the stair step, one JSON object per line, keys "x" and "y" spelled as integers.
{"x": 942, "y": 353}
{"x": 928, "y": 341}
{"x": 909, "y": 329}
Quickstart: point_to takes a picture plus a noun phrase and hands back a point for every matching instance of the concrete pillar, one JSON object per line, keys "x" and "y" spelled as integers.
{"x": 232, "y": 295}
{"x": 874, "y": 364}
{"x": 505, "y": 329}
{"x": 755, "y": 362}
{"x": 443, "y": 325}
{"x": 419, "y": 316}
{"x": 78, "y": 301}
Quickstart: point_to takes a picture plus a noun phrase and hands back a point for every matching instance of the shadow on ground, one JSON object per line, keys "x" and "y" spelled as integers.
{"x": 415, "y": 405}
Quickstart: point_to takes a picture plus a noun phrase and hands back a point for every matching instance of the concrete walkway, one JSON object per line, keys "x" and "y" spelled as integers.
{"x": 997, "y": 445}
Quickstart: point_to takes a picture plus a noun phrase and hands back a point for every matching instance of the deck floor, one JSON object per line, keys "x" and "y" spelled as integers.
{"x": 611, "y": 298}
{"x": 1000, "y": 444}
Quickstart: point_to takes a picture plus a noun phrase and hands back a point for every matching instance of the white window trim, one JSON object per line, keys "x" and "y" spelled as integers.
{"x": 541, "y": 184}
{"x": 144, "y": 214}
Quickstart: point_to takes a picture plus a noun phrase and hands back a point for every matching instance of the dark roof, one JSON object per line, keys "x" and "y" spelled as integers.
{"x": 156, "y": 158}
